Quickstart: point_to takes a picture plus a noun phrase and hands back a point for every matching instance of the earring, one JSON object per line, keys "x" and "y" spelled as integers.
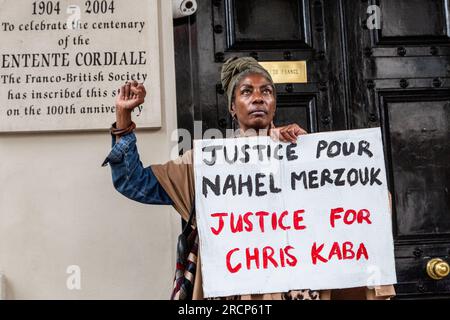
{"x": 234, "y": 123}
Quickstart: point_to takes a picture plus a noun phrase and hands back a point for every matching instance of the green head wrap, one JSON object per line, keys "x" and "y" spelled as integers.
{"x": 233, "y": 68}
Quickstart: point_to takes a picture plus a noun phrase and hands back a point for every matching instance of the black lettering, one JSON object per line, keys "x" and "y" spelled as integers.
{"x": 259, "y": 185}
{"x": 272, "y": 187}
{"x": 248, "y": 184}
{"x": 290, "y": 152}
{"x": 295, "y": 177}
{"x": 348, "y": 149}
{"x": 246, "y": 157}
{"x": 373, "y": 176}
{"x": 215, "y": 187}
{"x": 322, "y": 145}
{"x": 276, "y": 152}
{"x": 364, "y": 148}
{"x": 230, "y": 183}
{"x": 211, "y": 149}
{"x": 325, "y": 177}
{"x": 330, "y": 152}
{"x": 364, "y": 179}
{"x": 338, "y": 181}
{"x": 260, "y": 149}
{"x": 235, "y": 155}
{"x": 312, "y": 176}
{"x": 353, "y": 181}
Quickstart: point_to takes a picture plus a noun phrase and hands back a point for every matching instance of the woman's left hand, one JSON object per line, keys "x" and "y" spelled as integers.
{"x": 287, "y": 133}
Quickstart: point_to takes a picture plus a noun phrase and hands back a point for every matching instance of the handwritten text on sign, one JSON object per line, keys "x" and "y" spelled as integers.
{"x": 274, "y": 217}
{"x": 62, "y": 61}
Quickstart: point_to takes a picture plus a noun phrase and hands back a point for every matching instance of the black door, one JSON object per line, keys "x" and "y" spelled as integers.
{"x": 370, "y": 63}
{"x": 269, "y": 30}
{"x": 399, "y": 80}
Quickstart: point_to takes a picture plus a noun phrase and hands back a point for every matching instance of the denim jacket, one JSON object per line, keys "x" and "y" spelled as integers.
{"x": 129, "y": 176}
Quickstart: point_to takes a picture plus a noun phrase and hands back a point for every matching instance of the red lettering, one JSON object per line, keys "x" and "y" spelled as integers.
{"x": 249, "y": 224}
{"x": 362, "y": 251}
{"x": 315, "y": 254}
{"x": 261, "y": 215}
{"x": 350, "y": 216}
{"x": 347, "y": 214}
{"x": 268, "y": 256}
{"x": 236, "y": 227}
{"x": 347, "y": 248}
{"x": 292, "y": 261}
{"x": 282, "y": 216}
{"x": 339, "y": 252}
{"x": 298, "y": 219}
{"x": 274, "y": 221}
{"x": 363, "y": 215}
{"x": 282, "y": 258}
{"x": 229, "y": 267}
{"x": 221, "y": 222}
{"x": 335, "y": 251}
{"x": 335, "y": 215}
{"x": 250, "y": 257}
{"x": 268, "y": 253}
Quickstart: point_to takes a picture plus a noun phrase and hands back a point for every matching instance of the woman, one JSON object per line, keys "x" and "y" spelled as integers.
{"x": 252, "y": 104}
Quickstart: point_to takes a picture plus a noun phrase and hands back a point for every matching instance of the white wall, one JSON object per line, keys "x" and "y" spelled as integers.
{"x": 58, "y": 208}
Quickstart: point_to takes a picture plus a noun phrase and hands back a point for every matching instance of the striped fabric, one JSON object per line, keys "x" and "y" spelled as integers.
{"x": 186, "y": 266}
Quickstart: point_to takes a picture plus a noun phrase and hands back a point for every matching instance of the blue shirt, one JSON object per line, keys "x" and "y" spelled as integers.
{"x": 129, "y": 176}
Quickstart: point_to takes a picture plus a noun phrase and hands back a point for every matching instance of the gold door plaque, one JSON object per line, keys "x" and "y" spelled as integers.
{"x": 287, "y": 71}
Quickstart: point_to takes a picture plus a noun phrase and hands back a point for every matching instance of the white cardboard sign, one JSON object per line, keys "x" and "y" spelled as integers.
{"x": 274, "y": 217}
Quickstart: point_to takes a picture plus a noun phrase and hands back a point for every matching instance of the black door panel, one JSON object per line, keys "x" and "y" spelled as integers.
{"x": 250, "y": 26}
{"x": 405, "y": 67}
{"x": 416, "y": 130}
{"x": 413, "y": 21}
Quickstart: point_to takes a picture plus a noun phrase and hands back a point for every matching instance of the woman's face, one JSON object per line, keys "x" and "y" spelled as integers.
{"x": 254, "y": 102}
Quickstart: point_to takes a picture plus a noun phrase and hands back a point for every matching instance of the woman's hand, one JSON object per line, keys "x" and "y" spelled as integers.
{"x": 287, "y": 133}
{"x": 130, "y": 96}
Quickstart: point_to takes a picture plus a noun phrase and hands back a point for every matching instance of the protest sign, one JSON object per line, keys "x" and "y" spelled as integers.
{"x": 274, "y": 217}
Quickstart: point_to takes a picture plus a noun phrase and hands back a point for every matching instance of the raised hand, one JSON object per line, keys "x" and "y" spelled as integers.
{"x": 130, "y": 96}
